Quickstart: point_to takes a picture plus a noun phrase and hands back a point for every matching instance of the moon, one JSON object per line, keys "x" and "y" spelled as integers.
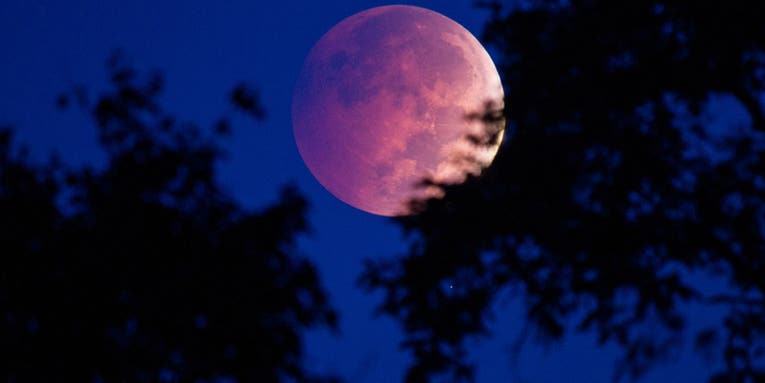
{"x": 383, "y": 102}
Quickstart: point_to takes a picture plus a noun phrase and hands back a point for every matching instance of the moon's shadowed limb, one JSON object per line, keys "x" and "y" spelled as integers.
{"x": 381, "y": 104}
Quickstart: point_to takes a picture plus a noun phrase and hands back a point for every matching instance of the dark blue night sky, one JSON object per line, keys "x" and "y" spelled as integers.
{"x": 204, "y": 49}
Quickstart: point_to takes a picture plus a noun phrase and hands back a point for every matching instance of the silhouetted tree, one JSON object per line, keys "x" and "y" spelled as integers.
{"x": 602, "y": 203}
{"x": 145, "y": 271}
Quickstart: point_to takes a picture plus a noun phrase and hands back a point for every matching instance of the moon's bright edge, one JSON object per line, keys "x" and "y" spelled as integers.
{"x": 382, "y": 103}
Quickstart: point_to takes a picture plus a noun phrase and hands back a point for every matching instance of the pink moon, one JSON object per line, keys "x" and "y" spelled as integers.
{"x": 382, "y": 103}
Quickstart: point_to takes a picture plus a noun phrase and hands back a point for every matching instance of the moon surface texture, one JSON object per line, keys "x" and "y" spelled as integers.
{"x": 382, "y": 103}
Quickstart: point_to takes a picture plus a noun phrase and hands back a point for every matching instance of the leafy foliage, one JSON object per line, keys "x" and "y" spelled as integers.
{"x": 153, "y": 273}
{"x": 602, "y": 203}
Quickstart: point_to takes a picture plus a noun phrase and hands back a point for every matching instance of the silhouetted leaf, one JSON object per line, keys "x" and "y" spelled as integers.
{"x": 248, "y": 101}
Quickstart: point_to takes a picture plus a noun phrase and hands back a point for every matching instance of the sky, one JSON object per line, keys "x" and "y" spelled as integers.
{"x": 204, "y": 49}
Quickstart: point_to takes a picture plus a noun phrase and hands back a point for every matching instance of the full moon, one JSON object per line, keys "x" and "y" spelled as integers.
{"x": 384, "y": 101}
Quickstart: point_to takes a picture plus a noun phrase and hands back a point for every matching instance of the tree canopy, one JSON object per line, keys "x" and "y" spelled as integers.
{"x": 145, "y": 270}
{"x": 613, "y": 191}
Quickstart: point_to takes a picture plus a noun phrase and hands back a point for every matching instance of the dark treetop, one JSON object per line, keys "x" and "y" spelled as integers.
{"x": 145, "y": 271}
{"x": 601, "y": 203}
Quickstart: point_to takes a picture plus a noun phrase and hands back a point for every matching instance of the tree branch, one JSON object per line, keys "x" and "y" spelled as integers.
{"x": 735, "y": 300}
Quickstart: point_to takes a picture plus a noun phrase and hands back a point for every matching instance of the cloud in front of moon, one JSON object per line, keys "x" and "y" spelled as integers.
{"x": 382, "y": 102}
